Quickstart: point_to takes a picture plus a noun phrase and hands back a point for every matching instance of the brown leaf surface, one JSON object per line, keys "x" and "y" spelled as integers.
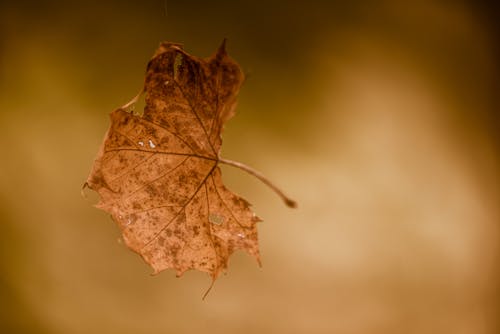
{"x": 157, "y": 174}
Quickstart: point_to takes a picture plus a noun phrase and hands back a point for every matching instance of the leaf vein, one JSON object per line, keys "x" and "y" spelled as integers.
{"x": 224, "y": 203}
{"x": 183, "y": 207}
{"x": 197, "y": 116}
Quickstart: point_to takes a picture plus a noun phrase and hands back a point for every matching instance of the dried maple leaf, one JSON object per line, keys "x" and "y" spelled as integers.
{"x": 158, "y": 175}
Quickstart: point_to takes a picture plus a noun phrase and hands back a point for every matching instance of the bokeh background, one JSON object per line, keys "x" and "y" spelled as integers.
{"x": 381, "y": 118}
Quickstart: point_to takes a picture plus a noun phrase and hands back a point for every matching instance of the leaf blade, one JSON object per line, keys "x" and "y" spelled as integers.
{"x": 157, "y": 174}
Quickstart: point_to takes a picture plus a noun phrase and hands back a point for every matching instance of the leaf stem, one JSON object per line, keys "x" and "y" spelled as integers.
{"x": 289, "y": 202}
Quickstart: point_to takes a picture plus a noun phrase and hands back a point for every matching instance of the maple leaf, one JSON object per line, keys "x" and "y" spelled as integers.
{"x": 158, "y": 175}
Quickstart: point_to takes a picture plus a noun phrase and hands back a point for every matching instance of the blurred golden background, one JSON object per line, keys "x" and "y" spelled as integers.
{"x": 381, "y": 118}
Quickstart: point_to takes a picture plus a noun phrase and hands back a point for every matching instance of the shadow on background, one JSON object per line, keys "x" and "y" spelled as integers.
{"x": 379, "y": 117}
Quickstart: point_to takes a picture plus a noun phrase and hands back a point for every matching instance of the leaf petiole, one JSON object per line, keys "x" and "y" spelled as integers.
{"x": 289, "y": 202}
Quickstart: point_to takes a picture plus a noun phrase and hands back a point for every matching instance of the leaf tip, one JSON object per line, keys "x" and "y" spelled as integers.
{"x": 209, "y": 288}
{"x": 82, "y": 192}
{"x": 222, "y": 48}
{"x": 156, "y": 270}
